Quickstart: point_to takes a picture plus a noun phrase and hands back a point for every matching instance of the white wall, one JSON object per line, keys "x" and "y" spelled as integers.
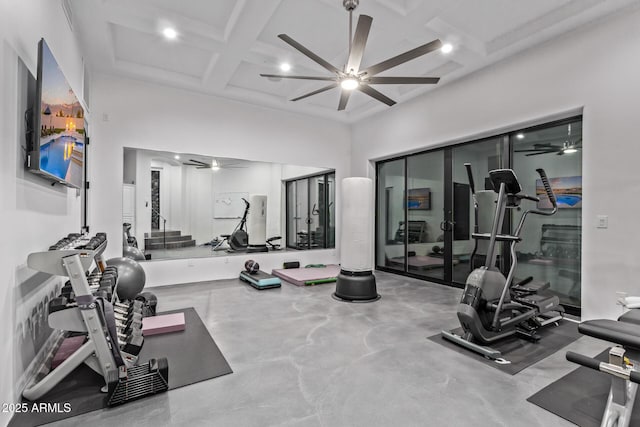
{"x": 34, "y": 213}
{"x": 596, "y": 69}
{"x": 256, "y": 178}
{"x": 143, "y": 115}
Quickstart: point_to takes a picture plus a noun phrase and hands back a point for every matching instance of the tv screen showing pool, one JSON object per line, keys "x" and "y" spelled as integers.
{"x": 568, "y": 192}
{"x": 62, "y": 127}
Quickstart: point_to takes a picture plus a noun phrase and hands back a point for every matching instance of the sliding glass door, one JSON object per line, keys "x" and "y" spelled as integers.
{"x": 482, "y": 157}
{"x": 390, "y": 241}
{"x": 425, "y": 227}
{"x": 311, "y": 212}
{"x": 551, "y": 245}
{"x": 426, "y": 215}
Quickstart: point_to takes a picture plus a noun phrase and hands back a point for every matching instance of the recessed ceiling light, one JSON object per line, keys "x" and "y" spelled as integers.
{"x": 446, "y": 48}
{"x": 570, "y": 150}
{"x": 177, "y": 157}
{"x": 349, "y": 83}
{"x": 170, "y": 33}
{"x": 285, "y": 67}
{"x": 520, "y": 136}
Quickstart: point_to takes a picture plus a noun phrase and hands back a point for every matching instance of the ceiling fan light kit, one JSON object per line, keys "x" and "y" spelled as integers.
{"x": 351, "y": 77}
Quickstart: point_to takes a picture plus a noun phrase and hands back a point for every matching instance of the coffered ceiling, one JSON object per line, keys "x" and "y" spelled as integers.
{"x": 223, "y": 45}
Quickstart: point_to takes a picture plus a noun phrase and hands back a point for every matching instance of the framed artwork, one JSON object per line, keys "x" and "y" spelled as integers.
{"x": 568, "y": 192}
{"x": 419, "y": 199}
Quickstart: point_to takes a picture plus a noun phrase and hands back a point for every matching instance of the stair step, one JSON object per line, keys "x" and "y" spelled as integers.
{"x": 160, "y": 239}
{"x": 171, "y": 245}
{"x": 158, "y": 233}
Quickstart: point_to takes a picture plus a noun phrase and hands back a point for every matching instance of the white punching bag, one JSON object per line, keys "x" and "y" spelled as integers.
{"x": 257, "y": 224}
{"x": 356, "y": 282}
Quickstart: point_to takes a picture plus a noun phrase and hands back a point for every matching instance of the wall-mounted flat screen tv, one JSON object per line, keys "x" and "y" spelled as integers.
{"x": 419, "y": 199}
{"x": 568, "y": 192}
{"x": 58, "y": 147}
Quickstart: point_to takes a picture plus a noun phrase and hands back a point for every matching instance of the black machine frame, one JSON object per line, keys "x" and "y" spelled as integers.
{"x": 508, "y": 158}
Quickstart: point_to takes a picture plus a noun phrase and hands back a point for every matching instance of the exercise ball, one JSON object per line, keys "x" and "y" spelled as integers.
{"x": 356, "y": 282}
{"x": 131, "y": 277}
{"x": 251, "y": 266}
{"x": 133, "y": 253}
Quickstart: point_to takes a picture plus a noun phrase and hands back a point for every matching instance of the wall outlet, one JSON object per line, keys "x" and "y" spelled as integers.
{"x": 190, "y": 263}
{"x": 603, "y": 221}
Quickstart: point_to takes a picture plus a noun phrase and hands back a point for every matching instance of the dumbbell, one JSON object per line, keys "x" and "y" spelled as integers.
{"x": 128, "y": 309}
{"x": 131, "y": 343}
{"x": 133, "y": 316}
{"x": 135, "y": 326}
{"x": 57, "y": 304}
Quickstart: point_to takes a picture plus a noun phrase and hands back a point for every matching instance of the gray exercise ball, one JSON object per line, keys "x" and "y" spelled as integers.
{"x": 133, "y": 253}
{"x": 131, "y": 277}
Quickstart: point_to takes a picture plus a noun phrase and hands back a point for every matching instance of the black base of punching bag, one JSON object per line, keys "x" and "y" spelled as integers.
{"x": 356, "y": 286}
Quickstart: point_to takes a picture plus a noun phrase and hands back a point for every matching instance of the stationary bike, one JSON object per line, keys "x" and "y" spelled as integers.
{"x": 492, "y": 307}
{"x": 238, "y": 240}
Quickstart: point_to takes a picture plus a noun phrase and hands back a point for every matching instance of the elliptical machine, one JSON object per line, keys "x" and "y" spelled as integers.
{"x": 238, "y": 240}
{"x": 492, "y": 308}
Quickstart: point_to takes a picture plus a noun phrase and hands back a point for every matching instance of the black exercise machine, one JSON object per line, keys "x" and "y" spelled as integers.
{"x": 238, "y": 240}
{"x": 623, "y": 364}
{"x": 493, "y": 307}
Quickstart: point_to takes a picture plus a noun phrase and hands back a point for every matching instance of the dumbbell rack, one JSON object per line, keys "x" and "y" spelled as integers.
{"x": 94, "y": 316}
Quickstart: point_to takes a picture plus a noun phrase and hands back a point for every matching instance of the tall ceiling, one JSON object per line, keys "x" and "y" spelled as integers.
{"x": 223, "y": 45}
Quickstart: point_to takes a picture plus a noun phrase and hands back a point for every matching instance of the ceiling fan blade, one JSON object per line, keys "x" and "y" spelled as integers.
{"x": 280, "y": 76}
{"x": 344, "y": 98}
{"x": 308, "y": 53}
{"x": 315, "y": 92}
{"x": 541, "y": 152}
{"x": 196, "y": 163}
{"x": 403, "y": 57}
{"x": 533, "y": 150}
{"x": 560, "y": 153}
{"x": 375, "y": 94}
{"x": 403, "y": 80}
{"x": 359, "y": 43}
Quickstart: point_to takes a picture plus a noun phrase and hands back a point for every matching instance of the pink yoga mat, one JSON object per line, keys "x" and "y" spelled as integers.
{"x": 300, "y": 276}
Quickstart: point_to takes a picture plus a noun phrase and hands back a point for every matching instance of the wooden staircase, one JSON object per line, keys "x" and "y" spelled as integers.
{"x": 174, "y": 239}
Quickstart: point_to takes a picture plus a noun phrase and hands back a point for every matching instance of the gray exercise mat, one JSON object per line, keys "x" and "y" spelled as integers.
{"x": 580, "y": 396}
{"x": 82, "y": 388}
{"x": 520, "y": 352}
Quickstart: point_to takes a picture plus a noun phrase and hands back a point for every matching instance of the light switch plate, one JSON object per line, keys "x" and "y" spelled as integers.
{"x": 603, "y": 221}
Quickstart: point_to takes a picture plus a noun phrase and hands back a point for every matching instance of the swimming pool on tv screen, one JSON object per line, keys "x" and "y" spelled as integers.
{"x": 56, "y": 157}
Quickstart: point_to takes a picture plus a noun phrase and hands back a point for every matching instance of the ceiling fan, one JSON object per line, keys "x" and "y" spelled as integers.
{"x": 545, "y": 146}
{"x": 213, "y": 165}
{"x": 352, "y": 76}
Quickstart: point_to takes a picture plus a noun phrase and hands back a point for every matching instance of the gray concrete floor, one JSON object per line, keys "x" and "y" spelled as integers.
{"x": 301, "y": 358}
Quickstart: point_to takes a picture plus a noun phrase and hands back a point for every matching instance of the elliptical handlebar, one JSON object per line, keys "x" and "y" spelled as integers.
{"x": 549, "y": 191}
{"x": 470, "y": 176}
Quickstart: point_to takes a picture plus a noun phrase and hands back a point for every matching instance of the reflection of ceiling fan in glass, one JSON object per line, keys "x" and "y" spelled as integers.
{"x": 569, "y": 146}
{"x": 213, "y": 165}
{"x": 352, "y": 76}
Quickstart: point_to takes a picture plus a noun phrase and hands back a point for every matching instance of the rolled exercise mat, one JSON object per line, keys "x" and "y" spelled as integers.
{"x": 356, "y": 282}
{"x": 257, "y": 224}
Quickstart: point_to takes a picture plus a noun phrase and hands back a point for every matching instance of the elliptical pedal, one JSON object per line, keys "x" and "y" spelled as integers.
{"x": 530, "y": 335}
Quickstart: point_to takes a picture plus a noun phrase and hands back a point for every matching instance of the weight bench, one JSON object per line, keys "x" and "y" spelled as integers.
{"x": 623, "y": 358}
